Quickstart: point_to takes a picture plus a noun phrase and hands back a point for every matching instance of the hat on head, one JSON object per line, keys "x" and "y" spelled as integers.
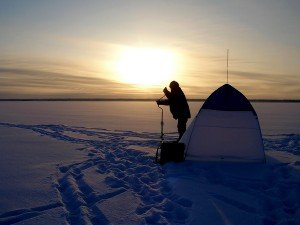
{"x": 174, "y": 84}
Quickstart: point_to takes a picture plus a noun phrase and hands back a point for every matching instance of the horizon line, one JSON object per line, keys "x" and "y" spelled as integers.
{"x": 128, "y": 99}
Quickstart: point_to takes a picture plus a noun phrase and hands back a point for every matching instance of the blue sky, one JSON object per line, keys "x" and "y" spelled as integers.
{"x": 68, "y": 48}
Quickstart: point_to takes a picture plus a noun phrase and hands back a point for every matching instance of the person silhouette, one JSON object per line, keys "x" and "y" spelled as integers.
{"x": 178, "y": 106}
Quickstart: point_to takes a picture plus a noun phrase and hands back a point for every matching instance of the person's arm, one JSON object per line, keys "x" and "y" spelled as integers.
{"x": 167, "y": 93}
{"x": 163, "y": 102}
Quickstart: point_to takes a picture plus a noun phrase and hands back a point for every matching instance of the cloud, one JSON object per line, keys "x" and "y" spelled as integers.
{"x": 267, "y": 78}
{"x": 31, "y": 77}
{"x": 266, "y": 85}
{"x": 254, "y": 85}
{"x": 18, "y": 82}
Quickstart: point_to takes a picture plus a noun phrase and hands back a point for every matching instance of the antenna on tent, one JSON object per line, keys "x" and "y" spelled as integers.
{"x": 227, "y": 63}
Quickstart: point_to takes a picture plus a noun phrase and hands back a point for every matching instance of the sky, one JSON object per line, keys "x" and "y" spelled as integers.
{"x": 74, "y": 49}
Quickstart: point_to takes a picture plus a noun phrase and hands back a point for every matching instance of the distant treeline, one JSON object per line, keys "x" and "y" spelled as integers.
{"x": 126, "y": 99}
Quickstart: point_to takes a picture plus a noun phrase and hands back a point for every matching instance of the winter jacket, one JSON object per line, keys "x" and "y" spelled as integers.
{"x": 178, "y": 103}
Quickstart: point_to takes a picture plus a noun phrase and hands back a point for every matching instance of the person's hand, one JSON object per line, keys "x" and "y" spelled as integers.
{"x": 157, "y": 102}
{"x": 165, "y": 89}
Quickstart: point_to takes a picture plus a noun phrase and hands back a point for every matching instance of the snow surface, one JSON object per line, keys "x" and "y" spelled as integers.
{"x": 68, "y": 174}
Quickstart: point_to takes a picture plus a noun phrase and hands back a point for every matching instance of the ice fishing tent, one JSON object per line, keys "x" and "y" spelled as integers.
{"x": 226, "y": 128}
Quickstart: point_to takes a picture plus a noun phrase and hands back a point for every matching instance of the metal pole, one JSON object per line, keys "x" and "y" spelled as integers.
{"x": 227, "y": 63}
{"x": 162, "y": 121}
{"x": 161, "y": 131}
{"x": 162, "y": 124}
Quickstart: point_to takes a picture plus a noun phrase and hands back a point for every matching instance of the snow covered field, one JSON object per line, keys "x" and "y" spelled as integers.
{"x": 92, "y": 163}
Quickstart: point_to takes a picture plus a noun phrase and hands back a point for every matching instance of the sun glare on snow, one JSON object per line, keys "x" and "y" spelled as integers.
{"x": 146, "y": 66}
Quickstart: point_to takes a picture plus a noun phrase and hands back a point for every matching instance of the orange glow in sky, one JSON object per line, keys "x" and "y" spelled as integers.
{"x": 113, "y": 49}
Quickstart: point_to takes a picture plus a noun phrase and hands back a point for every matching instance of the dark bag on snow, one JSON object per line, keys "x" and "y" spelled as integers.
{"x": 170, "y": 152}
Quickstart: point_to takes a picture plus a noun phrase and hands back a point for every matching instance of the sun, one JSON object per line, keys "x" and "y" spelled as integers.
{"x": 146, "y": 66}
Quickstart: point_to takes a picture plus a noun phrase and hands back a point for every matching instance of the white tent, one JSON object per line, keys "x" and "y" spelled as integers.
{"x": 225, "y": 129}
